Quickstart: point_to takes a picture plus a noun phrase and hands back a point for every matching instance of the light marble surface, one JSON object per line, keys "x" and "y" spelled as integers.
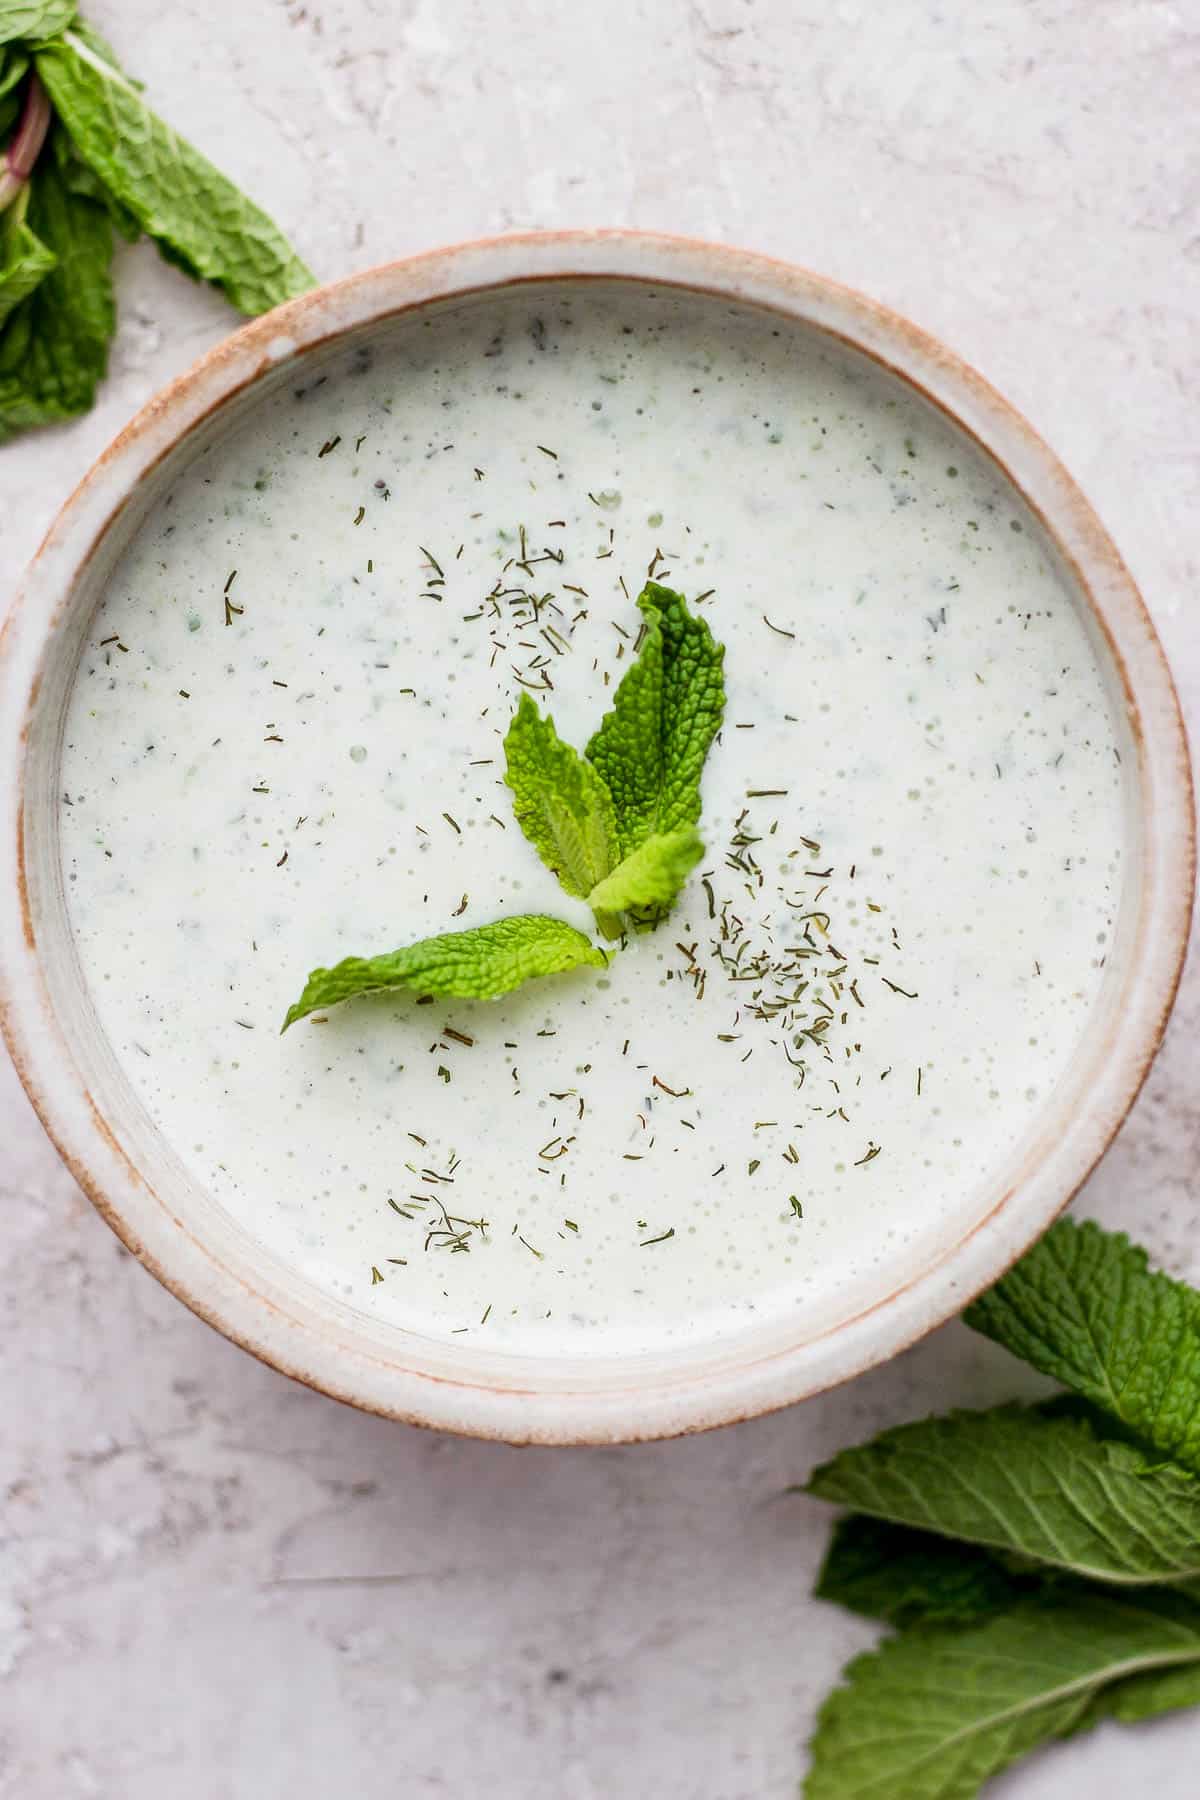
{"x": 218, "y": 1586}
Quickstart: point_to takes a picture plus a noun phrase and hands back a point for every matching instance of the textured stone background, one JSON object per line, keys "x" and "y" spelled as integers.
{"x": 218, "y": 1586}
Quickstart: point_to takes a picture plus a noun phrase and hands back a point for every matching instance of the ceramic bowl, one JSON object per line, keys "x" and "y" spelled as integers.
{"x": 181, "y": 1234}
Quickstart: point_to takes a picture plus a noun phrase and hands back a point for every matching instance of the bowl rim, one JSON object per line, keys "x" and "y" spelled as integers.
{"x": 515, "y": 1410}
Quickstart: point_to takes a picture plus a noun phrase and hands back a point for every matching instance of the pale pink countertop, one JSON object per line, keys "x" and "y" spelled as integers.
{"x": 217, "y": 1585}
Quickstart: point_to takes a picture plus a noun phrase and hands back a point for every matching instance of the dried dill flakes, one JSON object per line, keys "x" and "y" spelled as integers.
{"x": 231, "y": 609}
{"x": 765, "y": 936}
{"x": 770, "y": 945}
{"x": 675, "y": 1093}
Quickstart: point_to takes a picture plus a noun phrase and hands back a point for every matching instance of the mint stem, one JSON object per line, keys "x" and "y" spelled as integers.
{"x": 26, "y": 143}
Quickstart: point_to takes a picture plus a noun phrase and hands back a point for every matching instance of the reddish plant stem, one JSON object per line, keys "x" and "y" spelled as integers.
{"x": 26, "y": 142}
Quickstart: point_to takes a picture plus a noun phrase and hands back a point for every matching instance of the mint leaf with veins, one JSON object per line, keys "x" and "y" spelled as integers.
{"x": 32, "y": 20}
{"x": 618, "y": 826}
{"x": 108, "y": 160}
{"x": 480, "y": 963}
{"x": 650, "y": 877}
{"x": 562, "y": 804}
{"x": 938, "y": 1710}
{"x": 1029, "y": 1485}
{"x": 196, "y": 215}
{"x": 907, "y": 1577}
{"x": 1085, "y": 1307}
{"x": 80, "y": 179}
{"x": 651, "y": 747}
{"x": 1145, "y": 1696}
{"x": 24, "y": 263}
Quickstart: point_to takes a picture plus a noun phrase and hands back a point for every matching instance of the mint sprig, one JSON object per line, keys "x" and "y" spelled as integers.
{"x": 627, "y": 858}
{"x": 617, "y": 825}
{"x": 80, "y": 153}
{"x": 480, "y": 963}
{"x": 1042, "y": 1563}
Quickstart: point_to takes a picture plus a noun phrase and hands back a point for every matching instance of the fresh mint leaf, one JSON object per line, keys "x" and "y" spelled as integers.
{"x": 1145, "y": 1696}
{"x": 1084, "y": 1307}
{"x": 24, "y": 263}
{"x": 480, "y": 963}
{"x": 199, "y": 219}
{"x": 618, "y": 826}
{"x": 906, "y": 1577}
{"x": 935, "y": 1712}
{"x": 79, "y": 179}
{"x": 562, "y": 804}
{"x": 32, "y": 20}
{"x": 88, "y": 35}
{"x": 1017, "y": 1481}
{"x": 54, "y": 344}
{"x": 650, "y": 877}
{"x": 650, "y": 748}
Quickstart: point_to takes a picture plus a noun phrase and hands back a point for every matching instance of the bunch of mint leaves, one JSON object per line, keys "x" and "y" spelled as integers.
{"x": 84, "y": 156}
{"x": 1041, "y": 1564}
{"x": 617, "y": 825}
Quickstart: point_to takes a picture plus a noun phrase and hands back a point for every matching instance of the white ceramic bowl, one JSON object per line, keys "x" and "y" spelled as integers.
{"x": 186, "y": 1239}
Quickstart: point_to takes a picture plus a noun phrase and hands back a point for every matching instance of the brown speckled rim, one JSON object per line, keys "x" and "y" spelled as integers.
{"x": 324, "y": 1343}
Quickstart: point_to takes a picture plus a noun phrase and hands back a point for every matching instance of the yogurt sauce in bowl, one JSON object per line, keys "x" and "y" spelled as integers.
{"x": 283, "y": 746}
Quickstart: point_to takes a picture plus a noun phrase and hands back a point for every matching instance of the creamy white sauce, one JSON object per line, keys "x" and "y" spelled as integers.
{"x": 247, "y": 800}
